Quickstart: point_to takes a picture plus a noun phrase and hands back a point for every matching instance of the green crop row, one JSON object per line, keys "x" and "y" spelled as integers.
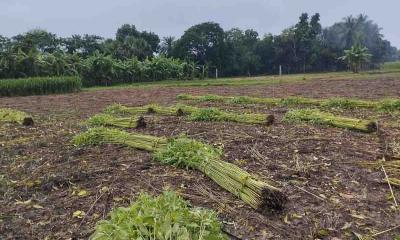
{"x": 39, "y": 86}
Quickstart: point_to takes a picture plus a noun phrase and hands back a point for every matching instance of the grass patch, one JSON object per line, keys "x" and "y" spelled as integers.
{"x": 187, "y": 153}
{"x": 106, "y": 120}
{"x": 39, "y": 86}
{"x": 391, "y": 66}
{"x": 323, "y": 118}
{"x": 166, "y": 216}
{"x": 13, "y": 116}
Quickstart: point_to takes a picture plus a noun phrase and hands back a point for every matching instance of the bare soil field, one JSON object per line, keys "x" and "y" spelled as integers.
{"x": 330, "y": 196}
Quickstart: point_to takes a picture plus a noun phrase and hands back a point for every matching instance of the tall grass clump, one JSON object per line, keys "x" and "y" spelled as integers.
{"x": 107, "y": 120}
{"x": 39, "y": 86}
{"x": 13, "y": 116}
{"x": 187, "y": 153}
{"x": 164, "y": 217}
{"x": 315, "y": 116}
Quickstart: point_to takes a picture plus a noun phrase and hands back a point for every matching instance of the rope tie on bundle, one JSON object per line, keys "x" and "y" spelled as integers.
{"x": 243, "y": 181}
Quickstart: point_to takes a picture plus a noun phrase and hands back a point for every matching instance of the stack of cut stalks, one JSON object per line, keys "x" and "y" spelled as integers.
{"x": 315, "y": 116}
{"x": 385, "y": 105}
{"x": 13, "y": 116}
{"x": 107, "y": 120}
{"x": 188, "y": 153}
{"x": 194, "y": 113}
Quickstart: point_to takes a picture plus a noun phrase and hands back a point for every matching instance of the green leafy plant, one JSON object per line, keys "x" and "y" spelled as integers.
{"x": 355, "y": 57}
{"x": 164, "y": 217}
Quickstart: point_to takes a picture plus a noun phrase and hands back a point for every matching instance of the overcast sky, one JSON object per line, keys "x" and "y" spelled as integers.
{"x": 172, "y": 17}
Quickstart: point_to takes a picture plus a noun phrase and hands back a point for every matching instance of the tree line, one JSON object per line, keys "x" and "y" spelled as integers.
{"x": 135, "y": 55}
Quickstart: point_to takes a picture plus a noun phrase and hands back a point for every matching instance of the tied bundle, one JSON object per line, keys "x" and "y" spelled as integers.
{"x": 13, "y": 116}
{"x": 190, "y": 154}
{"x": 194, "y": 113}
{"x": 315, "y": 116}
{"x": 107, "y": 120}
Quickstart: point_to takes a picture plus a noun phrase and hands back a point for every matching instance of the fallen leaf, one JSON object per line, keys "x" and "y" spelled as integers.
{"x": 347, "y": 196}
{"x": 347, "y": 225}
{"x": 82, "y": 193}
{"x": 359, "y": 216}
{"x": 78, "y": 214}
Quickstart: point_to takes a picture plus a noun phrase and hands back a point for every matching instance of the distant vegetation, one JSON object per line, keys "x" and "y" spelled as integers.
{"x": 138, "y": 56}
{"x": 392, "y": 66}
{"x": 39, "y": 86}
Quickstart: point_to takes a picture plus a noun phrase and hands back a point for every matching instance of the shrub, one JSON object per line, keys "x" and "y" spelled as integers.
{"x": 39, "y": 86}
{"x": 164, "y": 217}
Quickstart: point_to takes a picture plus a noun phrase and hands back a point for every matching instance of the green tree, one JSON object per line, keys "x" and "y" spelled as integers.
{"x": 85, "y": 45}
{"x": 355, "y": 57}
{"x": 204, "y": 44}
{"x": 152, "y": 39}
{"x": 167, "y": 46}
{"x": 125, "y": 31}
{"x": 37, "y": 40}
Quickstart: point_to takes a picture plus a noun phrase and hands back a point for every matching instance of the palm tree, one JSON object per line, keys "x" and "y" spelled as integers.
{"x": 355, "y": 56}
{"x": 167, "y": 46}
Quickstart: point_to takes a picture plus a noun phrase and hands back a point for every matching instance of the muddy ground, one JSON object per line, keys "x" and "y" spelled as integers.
{"x": 330, "y": 196}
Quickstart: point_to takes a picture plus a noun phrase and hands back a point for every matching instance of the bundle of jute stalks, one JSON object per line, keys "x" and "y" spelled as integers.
{"x": 194, "y": 113}
{"x": 188, "y": 153}
{"x": 13, "y": 116}
{"x": 107, "y": 120}
{"x": 315, "y": 116}
{"x": 385, "y": 105}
